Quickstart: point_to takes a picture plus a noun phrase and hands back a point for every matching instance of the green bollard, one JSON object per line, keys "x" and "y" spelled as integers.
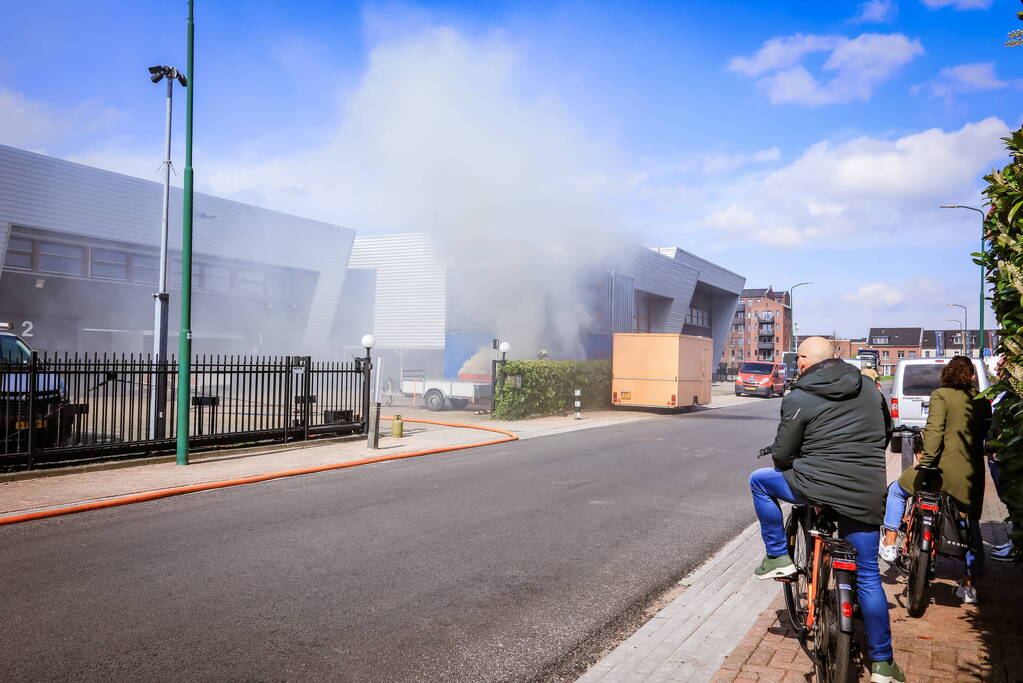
{"x": 397, "y": 427}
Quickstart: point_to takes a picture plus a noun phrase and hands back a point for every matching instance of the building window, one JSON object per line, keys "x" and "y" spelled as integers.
{"x": 19, "y": 253}
{"x": 879, "y": 340}
{"x": 217, "y": 278}
{"x": 144, "y": 268}
{"x": 884, "y": 355}
{"x": 250, "y": 282}
{"x": 697, "y": 316}
{"x": 912, "y": 354}
{"x": 902, "y": 354}
{"x": 109, "y": 264}
{"x": 66, "y": 259}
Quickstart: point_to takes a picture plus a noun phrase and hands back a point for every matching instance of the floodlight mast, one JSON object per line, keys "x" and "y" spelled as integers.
{"x": 158, "y": 390}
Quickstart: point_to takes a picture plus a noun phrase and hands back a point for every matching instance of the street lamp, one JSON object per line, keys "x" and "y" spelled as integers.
{"x": 504, "y": 348}
{"x": 962, "y": 332}
{"x": 792, "y": 311}
{"x": 963, "y": 322}
{"x": 983, "y": 272}
{"x": 158, "y": 390}
{"x": 367, "y": 366}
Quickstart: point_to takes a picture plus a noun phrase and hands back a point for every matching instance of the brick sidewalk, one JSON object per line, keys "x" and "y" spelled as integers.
{"x": 951, "y": 642}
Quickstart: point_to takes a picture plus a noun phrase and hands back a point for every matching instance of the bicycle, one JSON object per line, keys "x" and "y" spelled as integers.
{"x": 821, "y": 597}
{"x": 920, "y": 539}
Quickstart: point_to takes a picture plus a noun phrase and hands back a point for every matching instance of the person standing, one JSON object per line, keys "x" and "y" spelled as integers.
{"x": 830, "y": 450}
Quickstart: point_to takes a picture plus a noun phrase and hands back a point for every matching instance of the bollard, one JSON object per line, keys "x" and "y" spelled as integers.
{"x": 578, "y": 404}
{"x": 397, "y": 427}
{"x": 373, "y": 440}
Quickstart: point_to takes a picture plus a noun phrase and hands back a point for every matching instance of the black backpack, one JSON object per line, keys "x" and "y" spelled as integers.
{"x": 955, "y": 529}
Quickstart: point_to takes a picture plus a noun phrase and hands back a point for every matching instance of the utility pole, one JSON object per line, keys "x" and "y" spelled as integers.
{"x": 792, "y": 311}
{"x": 158, "y": 390}
{"x": 185, "y": 335}
{"x": 983, "y": 272}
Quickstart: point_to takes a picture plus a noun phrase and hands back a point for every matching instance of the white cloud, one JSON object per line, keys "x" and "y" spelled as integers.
{"x": 958, "y": 4}
{"x": 856, "y": 66}
{"x": 719, "y": 162}
{"x": 877, "y": 11}
{"x": 32, "y": 124}
{"x": 964, "y": 78}
{"x": 876, "y": 293}
{"x": 862, "y": 189}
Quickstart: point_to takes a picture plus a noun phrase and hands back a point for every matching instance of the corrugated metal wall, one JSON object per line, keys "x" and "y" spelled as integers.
{"x": 411, "y": 295}
{"x": 38, "y": 191}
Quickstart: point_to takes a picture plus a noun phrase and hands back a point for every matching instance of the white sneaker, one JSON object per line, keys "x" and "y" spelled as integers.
{"x": 888, "y": 553}
{"x": 968, "y": 594}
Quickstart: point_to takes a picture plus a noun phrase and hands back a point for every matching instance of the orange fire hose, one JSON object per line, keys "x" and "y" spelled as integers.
{"x": 209, "y": 486}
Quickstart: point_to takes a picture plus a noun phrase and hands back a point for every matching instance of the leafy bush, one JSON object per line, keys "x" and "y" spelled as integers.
{"x": 1004, "y": 261}
{"x": 548, "y": 387}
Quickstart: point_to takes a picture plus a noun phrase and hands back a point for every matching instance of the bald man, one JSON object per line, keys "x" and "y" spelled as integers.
{"x": 830, "y": 450}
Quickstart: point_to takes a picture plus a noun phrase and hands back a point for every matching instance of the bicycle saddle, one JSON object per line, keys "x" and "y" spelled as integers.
{"x": 926, "y": 468}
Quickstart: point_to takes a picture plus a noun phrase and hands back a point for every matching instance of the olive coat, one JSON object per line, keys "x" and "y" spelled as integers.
{"x": 957, "y": 422}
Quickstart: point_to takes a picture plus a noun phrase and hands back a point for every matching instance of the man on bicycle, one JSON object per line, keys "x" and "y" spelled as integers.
{"x": 830, "y": 450}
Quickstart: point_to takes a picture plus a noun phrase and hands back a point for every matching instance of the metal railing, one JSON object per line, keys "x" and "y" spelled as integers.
{"x": 66, "y": 408}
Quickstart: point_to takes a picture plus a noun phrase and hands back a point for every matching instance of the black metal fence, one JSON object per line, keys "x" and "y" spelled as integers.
{"x": 726, "y": 373}
{"x": 60, "y": 408}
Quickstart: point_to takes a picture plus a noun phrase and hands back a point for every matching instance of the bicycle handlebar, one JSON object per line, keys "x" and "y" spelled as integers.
{"x": 907, "y": 430}
{"x": 767, "y": 450}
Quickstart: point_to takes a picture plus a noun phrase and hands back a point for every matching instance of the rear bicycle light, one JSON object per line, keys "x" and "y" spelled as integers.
{"x": 844, "y": 564}
{"x": 927, "y": 535}
{"x": 929, "y": 506}
{"x": 847, "y": 610}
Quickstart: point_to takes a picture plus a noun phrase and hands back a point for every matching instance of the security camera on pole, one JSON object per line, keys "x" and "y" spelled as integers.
{"x": 158, "y": 389}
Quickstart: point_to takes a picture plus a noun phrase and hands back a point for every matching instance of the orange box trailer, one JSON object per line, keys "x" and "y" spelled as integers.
{"x": 660, "y": 370}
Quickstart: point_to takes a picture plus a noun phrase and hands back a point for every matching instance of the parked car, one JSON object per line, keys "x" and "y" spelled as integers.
{"x": 915, "y": 379}
{"x": 760, "y": 378}
{"x": 49, "y": 406}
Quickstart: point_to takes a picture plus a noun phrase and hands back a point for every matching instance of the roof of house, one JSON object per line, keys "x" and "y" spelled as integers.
{"x": 754, "y": 293}
{"x": 928, "y": 341}
{"x": 897, "y": 336}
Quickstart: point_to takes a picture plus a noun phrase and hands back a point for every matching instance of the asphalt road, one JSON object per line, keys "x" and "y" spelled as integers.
{"x": 514, "y": 562}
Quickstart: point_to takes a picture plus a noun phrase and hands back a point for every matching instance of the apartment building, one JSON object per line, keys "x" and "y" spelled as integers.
{"x": 894, "y": 344}
{"x": 761, "y": 328}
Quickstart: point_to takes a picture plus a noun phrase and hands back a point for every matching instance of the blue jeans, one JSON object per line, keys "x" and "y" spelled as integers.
{"x": 768, "y": 486}
{"x": 895, "y": 508}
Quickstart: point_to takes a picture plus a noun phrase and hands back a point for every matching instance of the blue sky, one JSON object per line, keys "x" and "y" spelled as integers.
{"x": 789, "y": 141}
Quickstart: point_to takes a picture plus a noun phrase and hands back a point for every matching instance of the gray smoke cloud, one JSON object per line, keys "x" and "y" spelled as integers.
{"x": 444, "y": 135}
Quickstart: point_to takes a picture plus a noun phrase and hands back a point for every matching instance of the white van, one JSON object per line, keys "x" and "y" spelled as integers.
{"x": 915, "y": 379}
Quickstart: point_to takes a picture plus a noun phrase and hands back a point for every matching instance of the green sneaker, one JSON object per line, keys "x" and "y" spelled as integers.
{"x": 777, "y": 568}
{"x": 883, "y": 672}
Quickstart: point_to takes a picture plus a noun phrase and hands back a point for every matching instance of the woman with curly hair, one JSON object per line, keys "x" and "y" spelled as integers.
{"x": 953, "y": 439}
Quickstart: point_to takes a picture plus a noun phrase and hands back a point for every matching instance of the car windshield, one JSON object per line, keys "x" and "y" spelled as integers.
{"x": 12, "y": 350}
{"x": 757, "y": 368}
{"x": 921, "y": 380}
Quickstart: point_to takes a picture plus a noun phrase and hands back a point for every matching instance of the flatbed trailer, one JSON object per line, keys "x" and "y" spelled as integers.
{"x": 439, "y": 394}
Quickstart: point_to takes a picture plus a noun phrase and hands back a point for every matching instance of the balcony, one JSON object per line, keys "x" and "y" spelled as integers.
{"x": 767, "y": 317}
{"x": 766, "y": 328}
{"x": 765, "y": 346}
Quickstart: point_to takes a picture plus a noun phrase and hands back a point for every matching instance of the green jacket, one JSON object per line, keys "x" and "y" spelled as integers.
{"x": 831, "y": 441}
{"x": 957, "y": 422}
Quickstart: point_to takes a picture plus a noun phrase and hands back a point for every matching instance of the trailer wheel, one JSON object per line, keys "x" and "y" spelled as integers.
{"x": 434, "y": 400}
{"x": 459, "y": 403}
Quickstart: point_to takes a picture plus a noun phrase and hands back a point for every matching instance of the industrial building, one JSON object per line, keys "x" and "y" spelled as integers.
{"x": 421, "y": 323}
{"x": 79, "y": 261}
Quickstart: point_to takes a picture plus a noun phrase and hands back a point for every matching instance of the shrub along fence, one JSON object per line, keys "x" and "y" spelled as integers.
{"x": 546, "y": 387}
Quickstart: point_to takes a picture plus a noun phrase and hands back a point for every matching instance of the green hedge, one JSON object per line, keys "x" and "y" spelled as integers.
{"x": 548, "y": 387}
{"x": 1004, "y": 263}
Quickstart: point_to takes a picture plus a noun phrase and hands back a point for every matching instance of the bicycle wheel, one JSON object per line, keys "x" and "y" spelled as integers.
{"x": 801, "y": 550}
{"x": 916, "y": 590}
{"x": 832, "y": 648}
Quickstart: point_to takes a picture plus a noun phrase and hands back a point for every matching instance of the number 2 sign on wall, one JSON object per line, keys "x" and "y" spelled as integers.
{"x": 26, "y": 328}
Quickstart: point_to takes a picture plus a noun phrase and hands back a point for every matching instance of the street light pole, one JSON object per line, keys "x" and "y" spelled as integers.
{"x": 792, "y": 311}
{"x": 983, "y": 272}
{"x": 966, "y": 319}
{"x": 185, "y": 335}
{"x": 158, "y": 390}
{"x": 962, "y": 331}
